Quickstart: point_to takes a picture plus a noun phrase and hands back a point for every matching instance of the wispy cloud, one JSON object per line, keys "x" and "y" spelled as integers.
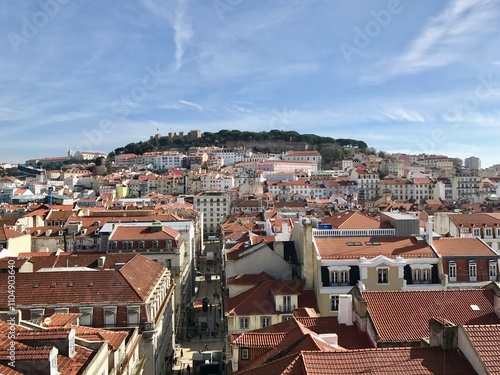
{"x": 183, "y": 32}
{"x": 192, "y": 105}
{"x": 443, "y": 40}
{"x": 402, "y": 114}
{"x": 177, "y": 18}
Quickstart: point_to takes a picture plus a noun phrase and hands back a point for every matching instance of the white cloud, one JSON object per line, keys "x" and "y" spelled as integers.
{"x": 192, "y": 105}
{"x": 402, "y": 114}
{"x": 445, "y": 39}
{"x": 183, "y": 32}
{"x": 177, "y": 18}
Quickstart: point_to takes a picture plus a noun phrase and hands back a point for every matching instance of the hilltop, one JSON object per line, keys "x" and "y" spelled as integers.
{"x": 272, "y": 141}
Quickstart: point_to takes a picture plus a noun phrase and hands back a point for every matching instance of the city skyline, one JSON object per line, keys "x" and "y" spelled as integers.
{"x": 400, "y": 75}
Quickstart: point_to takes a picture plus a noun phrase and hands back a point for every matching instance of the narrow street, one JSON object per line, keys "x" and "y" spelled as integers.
{"x": 206, "y": 332}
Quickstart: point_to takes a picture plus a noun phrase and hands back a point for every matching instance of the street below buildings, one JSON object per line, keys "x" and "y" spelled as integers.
{"x": 204, "y": 340}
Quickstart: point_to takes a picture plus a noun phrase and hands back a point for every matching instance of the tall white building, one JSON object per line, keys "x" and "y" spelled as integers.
{"x": 473, "y": 163}
{"x": 215, "y": 206}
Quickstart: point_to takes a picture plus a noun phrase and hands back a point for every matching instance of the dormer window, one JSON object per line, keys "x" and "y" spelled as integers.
{"x": 287, "y": 303}
{"x": 36, "y": 314}
{"x": 86, "y": 318}
{"x": 133, "y": 316}
{"x": 155, "y": 244}
{"x": 383, "y": 275}
{"x": 476, "y": 232}
{"x": 112, "y": 245}
{"x": 110, "y": 316}
{"x": 141, "y": 244}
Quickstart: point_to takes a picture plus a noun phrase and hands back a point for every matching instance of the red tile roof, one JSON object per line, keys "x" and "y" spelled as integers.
{"x": 142, "y": 233}
{"x": 406, "y": 247}
{"x": 131, "y": 284}
{"x": 257, "y": 340}
{"x": 249, "y": 279}
{"x": 404, "y": 315}
{"x": 6, "y": 233}
{"x": 453, "y": 247}
{"x": 388, "y": 361}
{"x": 479, "y": 219}
{"x": 486, "y": 341}
{"x": 353, "y": 220}
{"x": 259, "y": 300}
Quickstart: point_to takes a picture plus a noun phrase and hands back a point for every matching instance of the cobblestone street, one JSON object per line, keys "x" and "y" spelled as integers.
{"x": 206, "y": 332}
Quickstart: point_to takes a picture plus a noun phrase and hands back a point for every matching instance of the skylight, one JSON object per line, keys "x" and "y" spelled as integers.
{"x": 475, "y": 307}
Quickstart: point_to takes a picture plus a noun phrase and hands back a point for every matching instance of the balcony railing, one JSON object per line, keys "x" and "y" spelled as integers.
{"x": 286, "y": 308}
{"x": 353, "y": 232}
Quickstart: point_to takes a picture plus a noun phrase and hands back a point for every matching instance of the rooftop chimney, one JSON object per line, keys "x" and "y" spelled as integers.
{"x": 345, "y": 309}
{"x": 330, "y": 338}
{"x": 428, "y": 232}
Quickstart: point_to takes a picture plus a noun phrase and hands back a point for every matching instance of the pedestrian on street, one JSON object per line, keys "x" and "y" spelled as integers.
{"x": 200, "y": 336}
{"x": 182, "y": 353}
{"x": 188, "y": 368}
{"x": 206, "y": 346}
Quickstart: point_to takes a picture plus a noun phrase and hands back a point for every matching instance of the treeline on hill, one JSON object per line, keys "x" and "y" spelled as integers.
{"x": 274, "y": 141}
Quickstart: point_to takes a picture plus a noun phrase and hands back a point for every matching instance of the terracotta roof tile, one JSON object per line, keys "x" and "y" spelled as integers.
{"x": 249, "y": 279}
{"x": 404, "y": 315}
{"x": 340, "y": 248}
{"x": 353, "y": 220}
{"x": 387, "y": 361}
{"x": 132, "y": 284}
{"x": 486, "y": 341}
{"x": 451, "y": 247}
{"x": 259, "y": 300}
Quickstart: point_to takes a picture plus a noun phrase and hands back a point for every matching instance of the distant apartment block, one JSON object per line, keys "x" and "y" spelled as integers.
{"x": 304, "y": 156}
{"x": 215, "y": 206}
{"x": 473, "y": 163}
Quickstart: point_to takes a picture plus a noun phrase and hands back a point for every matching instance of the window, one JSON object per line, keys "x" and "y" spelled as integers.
{"x": 36, "y": 314}
{"x": 492, "y": 271}
{"x": 265, "y": 321}
{"x": 472, "y": 271}
{"x": 155, "y": 244}
{"x": 243, "y": 323}
{"x": 168, "y": 263}
{"x": 113, "y": 245}
{"x": 340, "y": 278}
{"x": 476, "y": 232}
{"x": 382, "y": 275}
{"x": 110, "y": 316}
{"x": 452, "y": 271}
{"x": 133, "y": 315}
{"x": 61, "y": 310}
{"x": 335, "y": 303}
{"x": 245, "y": 353}
{"x": 141, "y": 244}
{"x": 86, "y": 317}
{"x": 426, "y": 276}
{"x": 488, "y": 232}
{"x": 416, "y": 276}
{"x": 287, "y": 303}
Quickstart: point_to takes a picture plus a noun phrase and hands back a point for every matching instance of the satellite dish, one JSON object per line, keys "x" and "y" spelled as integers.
{"x": 47, "y": 321}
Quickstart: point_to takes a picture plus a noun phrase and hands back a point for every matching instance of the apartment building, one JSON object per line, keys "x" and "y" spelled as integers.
{"x": 304, "y": 156}
{"x": 214, "y": 206}
{"x": 108, "y": 291}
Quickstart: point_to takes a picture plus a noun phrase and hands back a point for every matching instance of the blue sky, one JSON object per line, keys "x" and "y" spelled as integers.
{"x": 404, "y": 76}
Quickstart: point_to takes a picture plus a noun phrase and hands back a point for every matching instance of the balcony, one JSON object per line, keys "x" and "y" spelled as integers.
{"x": 286, "y": 308}
{"x": 339, "y": 284}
